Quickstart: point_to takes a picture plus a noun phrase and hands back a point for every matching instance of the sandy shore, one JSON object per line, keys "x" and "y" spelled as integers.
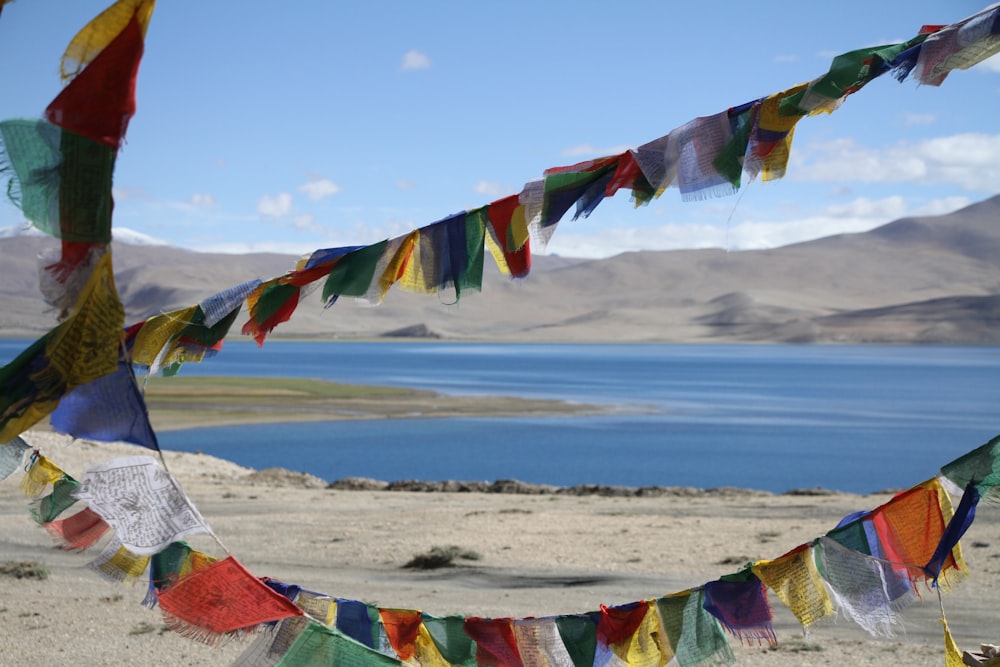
{"x": 540, "y": 555}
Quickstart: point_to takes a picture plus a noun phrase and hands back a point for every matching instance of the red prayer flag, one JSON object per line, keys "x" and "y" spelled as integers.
{"x": 78, "y": 532}
{"x": 222, "y": 599}
{"x": 495, "y": 642}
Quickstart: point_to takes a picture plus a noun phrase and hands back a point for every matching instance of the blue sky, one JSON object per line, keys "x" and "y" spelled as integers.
{"x": 301, "y": 125}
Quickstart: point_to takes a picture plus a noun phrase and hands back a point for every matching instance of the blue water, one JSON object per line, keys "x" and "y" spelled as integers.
{"x": 853, "y": 418}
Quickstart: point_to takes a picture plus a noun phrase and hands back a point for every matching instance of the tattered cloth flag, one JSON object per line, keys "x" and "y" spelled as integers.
{"x": 630, "y": 634}
{"x": 48, "y": 508}
{"x": 108, "y": 409}
{"x": 448, "y": 254}
{"x": 795, "y": 580}
{"x": 402, "y": 627}
{"x": 579, "y": 635}
{"x": 443, "y": 642}
{"x": 740, "y": 603}
{"x": 220, "y": 600}
{"x": 318, "y": 645}
{"x": 508, "y": 240}
{"x": 859, "y": 586}
{"x": 142, "y": 502}
{"x": 118, "y": 564}
{"x": 272, "y": 643}
{"x": 957, "y": 525}
{"x": 539, "y": 643}
{"x": 959, "y": 46}
{"x": 911, "y": 525}
{"x": 78, "y": 532}
{"x": 695, "y": 635}
{"x": 981, "y": 465}
{"x": 172, "y": 564}
{"x": 40, "y": 473}
{"x": 11, "y": 456}
{"x": 495, "y": 641}
{"x": 359, "y": 621}
{"x": 100, "y": 100}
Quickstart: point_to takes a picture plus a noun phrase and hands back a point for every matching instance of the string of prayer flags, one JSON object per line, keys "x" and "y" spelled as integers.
{"x": 108, "y": 409}
{"x": 740, "y": 603}
{"x": 959, "y": 46}
{"x": 142, "y": 502}
{"x": 221, "y": 600}
{"x": 795, "y": 580}
{"x": 584, "y": 185}
{"x": 11, "y": 456}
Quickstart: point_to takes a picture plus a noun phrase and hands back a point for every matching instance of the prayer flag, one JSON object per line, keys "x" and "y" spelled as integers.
{"x": 100, "y": 100}
{"x": 358, "y": 621}
{"x": 402, "y": 627}
{"x": 448, "y": 254}
{"x": 48, "y": 508}
{"x": 740, "y": 603}
{"x": 40, "y": 474}
{"x": 539, "y": 643}
{"x": 272, "y": 643}
{"x": 508, "y": 239}
{"x": 982, "y": 464}
{"x": 631, "y": 632}
{"x": 173, "y": 563}
{"x": 959, "y": 46}
{"x": 108, "y": 409}
{"x": 142, "y": 502}
{"x": 579, "y": 635}
{"x": 60, "y": 180}
{"x": 354, "y": 272}
{"x": 860, "y": 587}
{"x": 11, "y": 456}
{"x": 319, "y": 645}
{"x": 95, "y": 37}
{"x": 450, "y": 639}
{"x": 118, "y": 564}
{"x": 957, "y": 525}
{"x": 78, "y": 532}
{"x": 695, "y": 635}
{"x": 220, "y": 600}
{"x": 221, "y": 305}
{"x": 495, "y": 641}
{"x": 795, "y": 580}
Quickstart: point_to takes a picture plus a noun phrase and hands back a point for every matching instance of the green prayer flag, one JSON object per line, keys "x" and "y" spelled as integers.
{"x": 448, "y": 633}
{"x": 353, "y": 273}
{"x": 49, "y": 508}
{"x": 579, "y": 636}
{"x": 318, "y": 645}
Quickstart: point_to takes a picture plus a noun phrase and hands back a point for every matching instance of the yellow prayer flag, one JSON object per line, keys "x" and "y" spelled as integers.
{"x": 123, "y": 565}
{"x": 41, "y": 473}
{"x": 158, "y": 334}
{"x": 426, "y": 653}
{"x": 952, "y": 655}
{"x": 96, "y": 35}
{"x": 85, "y": 346}
{"x": 398, "y": 261}
{"x": 649, "y": 646}
{"x": 795, "y": 579}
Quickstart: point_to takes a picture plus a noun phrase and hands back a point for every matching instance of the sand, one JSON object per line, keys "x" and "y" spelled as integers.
{"x": 540, "y": 555}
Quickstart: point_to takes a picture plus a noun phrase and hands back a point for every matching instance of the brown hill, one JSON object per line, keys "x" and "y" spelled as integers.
{"x": 916, "y": 280}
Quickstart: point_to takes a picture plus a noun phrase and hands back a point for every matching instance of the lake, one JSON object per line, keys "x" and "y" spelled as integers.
{"x": 770, "y": 417}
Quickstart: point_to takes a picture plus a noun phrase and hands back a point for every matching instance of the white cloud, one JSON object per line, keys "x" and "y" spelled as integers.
{"x": 319, "y": 188}
{"x": 275, "y": 207}
{"x": 202, "y": 200}
{"x": 971, "y": 161}
{"x": 414, "y": 59}
{"x": 919, "y": 118}
{"x": 489, "y": 189}
{"x": 305, "y": 222}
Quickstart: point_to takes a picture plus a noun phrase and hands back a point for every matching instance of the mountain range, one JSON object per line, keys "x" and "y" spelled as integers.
{"x": 918, "y": 280}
